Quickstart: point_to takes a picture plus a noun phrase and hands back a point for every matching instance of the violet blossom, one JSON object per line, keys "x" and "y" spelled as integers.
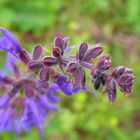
{"x": 36, "y": 90}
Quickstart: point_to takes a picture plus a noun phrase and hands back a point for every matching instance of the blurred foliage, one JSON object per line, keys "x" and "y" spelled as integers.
{"x": 115, "y": 23}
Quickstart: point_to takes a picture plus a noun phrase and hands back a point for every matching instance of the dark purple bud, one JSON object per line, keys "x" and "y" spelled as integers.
{"x": 96, "y": 83}
{"x": 56, "y": 52}
{"x": 49, "y": 61}
{"x": 82, "y": 50}
{"x": 79, "y": 77}
{"x": 59, "y": 42}
{"x": 103, "y": 79}
{"x": 93, "y": 53}
{"x": 72, "y": 67}
{"x": 111, "y": 90}
{"x": 104, "y": 57}
{"x": 37, "y": 52}
{"x": 125, "y": 83}
{"x": 95, "y": 73}
{"x": 103, "y": 64}
{"x": 44, "y": 74}
{"x": 34, "y": 65}
{"x": 128, "y": 71}
{"x": 118, "y": 72}
{"x": 24, "y": 57}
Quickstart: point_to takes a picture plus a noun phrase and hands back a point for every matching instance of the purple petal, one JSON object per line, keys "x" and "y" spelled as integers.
{"x": 56, "y": 52}
{"x": 24, "y": 57}
{"x": 79, "y": 77}
{"x": 50, "y": 93}
{"x": 103, "y": 64}
{"x": 29, "y": 88}
{"x": 4, "y": 100}
{"x": 111, "y": 90}
{"x": 49, "y": 61}
{"x": 17, "y": 126}
{"x": 44, "y": 74}
{"x": 59, "y": 42}
{"x": 34, "y": 65}
{"x": 93, "y": 52}
{"x": 32, "y": 115}
{"x": 82, "y": 50}
{"x": 5, "y": 123}
{"x": 118, "y": 72}
{"x": 65, "y": 85}
{"x": 69, "y": 49}
{"x": 9, "y": 43}
{"x": 37, "y": 52}
{"x": 10, "y": 60}
{"x": 125, "y": 83}
{"x": 66, "y": 39}
{"x": 72, "y": 67}
{"x": 44, "y": 103}
{"x": 95, "y": 73}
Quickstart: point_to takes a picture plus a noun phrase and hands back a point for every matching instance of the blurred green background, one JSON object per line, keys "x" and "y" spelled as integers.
{"x": 114, "y": 23}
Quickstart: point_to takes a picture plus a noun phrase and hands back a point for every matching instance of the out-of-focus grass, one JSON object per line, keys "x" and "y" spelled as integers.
{"x": 115, "y": 23}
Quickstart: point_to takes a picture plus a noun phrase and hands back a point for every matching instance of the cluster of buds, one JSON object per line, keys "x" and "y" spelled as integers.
{"x": 29, "y": 92}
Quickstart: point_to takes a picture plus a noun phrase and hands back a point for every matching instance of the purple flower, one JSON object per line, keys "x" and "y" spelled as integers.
{"x": 83, "y": 56}
{"x": 65, "y": 85}
{"x": 17, "y": 126}
{"x": 99, "y": 72}
{"x": 5, "y": 122}
{"x": 32, "y": 115}
{"x": 111, "y": 89}
{"x": 4, "y": 100}
{"x": 124, "y": 78}
{"x": 50, "y": 93}
{"x": 9, "y": 43}
{"x": 30, "y": 95}
{"x": 37, "y": 52}
{"x": 45, "y": 104}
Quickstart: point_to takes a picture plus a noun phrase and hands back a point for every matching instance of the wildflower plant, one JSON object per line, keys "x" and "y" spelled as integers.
{"x": 29, "y": 95}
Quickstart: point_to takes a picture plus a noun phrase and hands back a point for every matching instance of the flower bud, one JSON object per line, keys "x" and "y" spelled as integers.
{"x": 111, "y": 90}
{"x": 93, "y": 53}
{"x": 24, "y": 57}
{"x": 49, "y": 61}
{"x": 34, "y": 65}
{"x": 125, "y": 83}
{"x": 37, "y": 52}
{"x": 95, "y": 73}
{"x": 72, "y": 67}
{"x": 118, "y": 72}
{"x": 59, "y": 42}
{"x": 82, "y": 50}
{"x": 103, "y": 64}
{"x": 44, "y": 74}
{"x": 79, "y": 78}
{"x": 56, "y": 52}
{"x": 96, "y": 83}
